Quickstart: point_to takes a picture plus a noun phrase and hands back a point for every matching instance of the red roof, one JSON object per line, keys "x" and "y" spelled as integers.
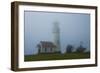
{"x": 46, "y": 44}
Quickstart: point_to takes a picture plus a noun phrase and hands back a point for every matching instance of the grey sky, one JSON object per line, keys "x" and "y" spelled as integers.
{"x": 73, "y": 29}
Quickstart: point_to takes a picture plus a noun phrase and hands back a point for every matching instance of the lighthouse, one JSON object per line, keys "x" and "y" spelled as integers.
{"x": 56, "y": 36}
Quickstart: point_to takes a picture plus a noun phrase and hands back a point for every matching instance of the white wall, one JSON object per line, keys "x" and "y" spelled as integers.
{"x": 5, "y": 40}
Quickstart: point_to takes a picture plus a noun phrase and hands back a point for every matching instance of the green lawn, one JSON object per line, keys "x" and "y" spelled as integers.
{"x": 56, "y": 56}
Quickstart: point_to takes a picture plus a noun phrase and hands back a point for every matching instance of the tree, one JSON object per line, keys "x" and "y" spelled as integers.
{"x": 69, "y": 48}
{"x": 81, "y": 48}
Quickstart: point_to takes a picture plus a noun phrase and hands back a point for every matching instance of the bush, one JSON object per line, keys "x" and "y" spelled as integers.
{"x": 80, "y": 49}
{"x": 69, "y": 48}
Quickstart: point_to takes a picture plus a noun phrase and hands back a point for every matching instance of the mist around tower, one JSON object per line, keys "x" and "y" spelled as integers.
{"x": 56, "y": 36}
{"x": 51, "y": 50}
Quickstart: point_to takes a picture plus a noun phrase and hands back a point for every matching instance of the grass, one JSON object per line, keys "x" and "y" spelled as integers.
{"x": 56, "y": 56}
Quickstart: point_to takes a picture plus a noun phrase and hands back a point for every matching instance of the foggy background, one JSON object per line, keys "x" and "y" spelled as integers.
{"x": 38, "y": 26}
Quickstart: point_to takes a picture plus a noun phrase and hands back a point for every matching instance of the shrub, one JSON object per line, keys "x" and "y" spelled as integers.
{"x": 69, "y": 48}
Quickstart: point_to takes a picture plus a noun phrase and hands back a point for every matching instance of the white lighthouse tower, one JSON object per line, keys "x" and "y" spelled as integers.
{"x": 56, "y": 36}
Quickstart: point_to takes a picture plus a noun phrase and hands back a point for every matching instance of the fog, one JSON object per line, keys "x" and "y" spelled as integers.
{"x": 74, "y": 28}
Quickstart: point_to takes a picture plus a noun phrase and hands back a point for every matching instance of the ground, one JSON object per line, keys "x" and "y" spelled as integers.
{"x": 56, "y": 56}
